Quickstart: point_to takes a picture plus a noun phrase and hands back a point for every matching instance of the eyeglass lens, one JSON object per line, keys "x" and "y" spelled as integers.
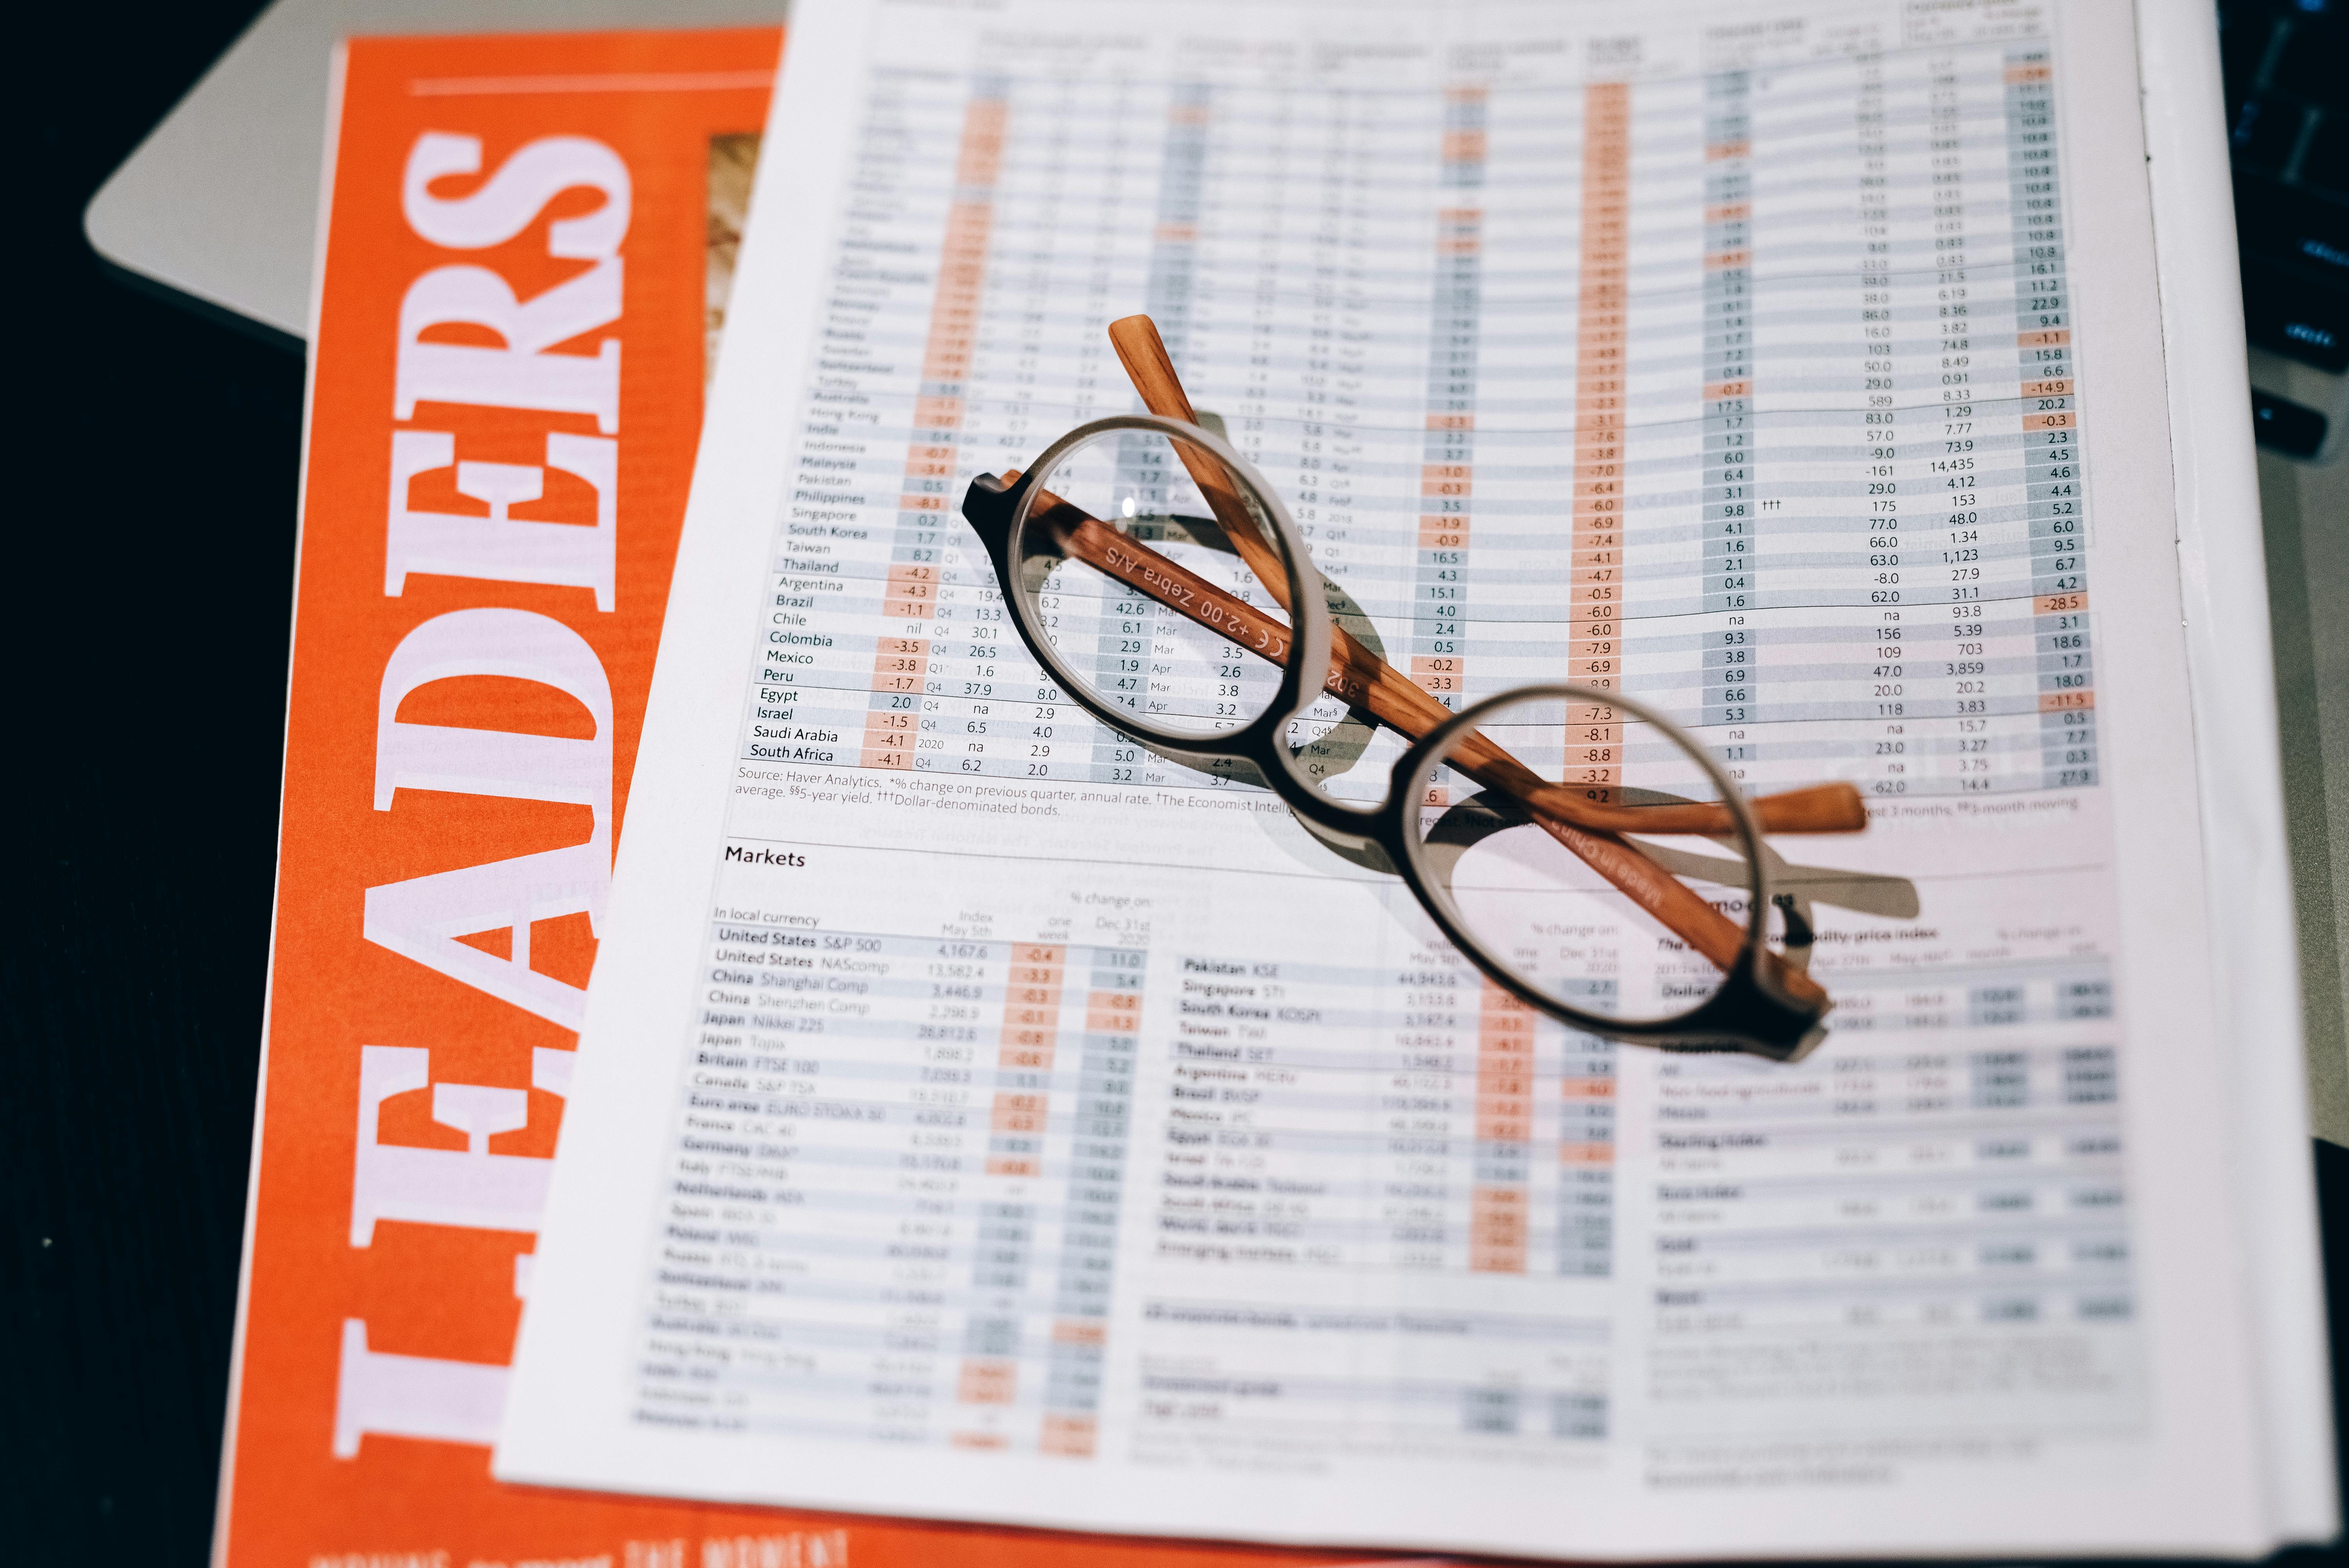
{"x": 1160, "y": 669}
{"x": 1523, "y": 896}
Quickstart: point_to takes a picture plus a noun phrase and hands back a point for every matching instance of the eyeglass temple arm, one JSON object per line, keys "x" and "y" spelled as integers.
{"x": 1670, "y": 902}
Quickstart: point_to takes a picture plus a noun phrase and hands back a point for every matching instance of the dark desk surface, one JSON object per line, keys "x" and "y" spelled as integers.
{"x": 152, "y": 471}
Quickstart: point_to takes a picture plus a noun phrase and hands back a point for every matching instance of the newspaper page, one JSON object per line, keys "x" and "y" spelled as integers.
{"x": 981, "y": 1116}
{"x": 484, "y": 562}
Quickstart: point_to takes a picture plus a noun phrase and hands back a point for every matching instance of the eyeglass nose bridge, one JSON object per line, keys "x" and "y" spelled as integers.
{"x": 1000, "y": 514}
{"x": 987, "y": 506}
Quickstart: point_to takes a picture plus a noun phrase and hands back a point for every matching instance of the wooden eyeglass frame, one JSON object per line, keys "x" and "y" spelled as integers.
{"x": 1763, "y": 1006}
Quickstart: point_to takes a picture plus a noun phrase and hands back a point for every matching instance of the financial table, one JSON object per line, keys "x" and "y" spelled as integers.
{"x": 1741, "y": 381}
{"x": 896, "y": 1169}
{"x": 909, "y": 1175}
{"x": 1748, "y": 390}
{"x": 899, "y": 1168}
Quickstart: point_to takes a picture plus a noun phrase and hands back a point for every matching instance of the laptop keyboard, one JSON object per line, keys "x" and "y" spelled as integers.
{"x": 2287, "y": 77}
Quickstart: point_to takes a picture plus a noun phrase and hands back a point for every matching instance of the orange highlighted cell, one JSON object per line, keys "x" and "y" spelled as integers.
{"x": 2059, "y": 603}
{"x": 979, "y": 1441}
{"x": 1436, "y": 674}
{"x": 1018, "y": 1114}
{"x": 2059, "y": 387}
{"x": 1071, "y": 1437}
{"x": 2065, "y": 701}
{"x": 2063, "y": 421}
{"x": 1586, "y": 1154}
{"x": 2046, "y": 337}
{"x": 1030, "y": 1026}
{"x": 937, "y": 414}
{"x": 1496, "y": 1230}
{"x": 1010, "y": 1165}
{"x": 986, "y": 1382}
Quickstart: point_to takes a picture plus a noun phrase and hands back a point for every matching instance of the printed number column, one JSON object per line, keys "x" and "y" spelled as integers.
{"x": 1730, "y": 555}
{"x": 994, "y": 1336}
{"x": 1892, "y": 403}
{"x": 1594, "y": 625}
{"x": 1096, "y": 1172}
{"x": 1586, "y": 1152}
{"x": 2051, "y": 433}
{"x": 901, "y": 661}
{"x": 1122, "y": 658}
{"x": 1505, "y": 1115}
{"x": 1174, "y": 240}
{"x": 1440, "y": 590}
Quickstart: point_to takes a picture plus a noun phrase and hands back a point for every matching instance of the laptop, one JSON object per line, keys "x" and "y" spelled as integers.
{"x": 218, "y": 208}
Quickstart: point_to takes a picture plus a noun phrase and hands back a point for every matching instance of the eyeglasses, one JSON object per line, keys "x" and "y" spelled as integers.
{"x": 1135, "y": 553}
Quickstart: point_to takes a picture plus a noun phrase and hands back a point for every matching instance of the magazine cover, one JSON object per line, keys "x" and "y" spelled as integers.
{"x": 525, "y": 256}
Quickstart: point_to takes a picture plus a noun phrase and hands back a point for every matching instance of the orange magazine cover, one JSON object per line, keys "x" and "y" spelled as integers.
{"x": 525, "y": 254}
